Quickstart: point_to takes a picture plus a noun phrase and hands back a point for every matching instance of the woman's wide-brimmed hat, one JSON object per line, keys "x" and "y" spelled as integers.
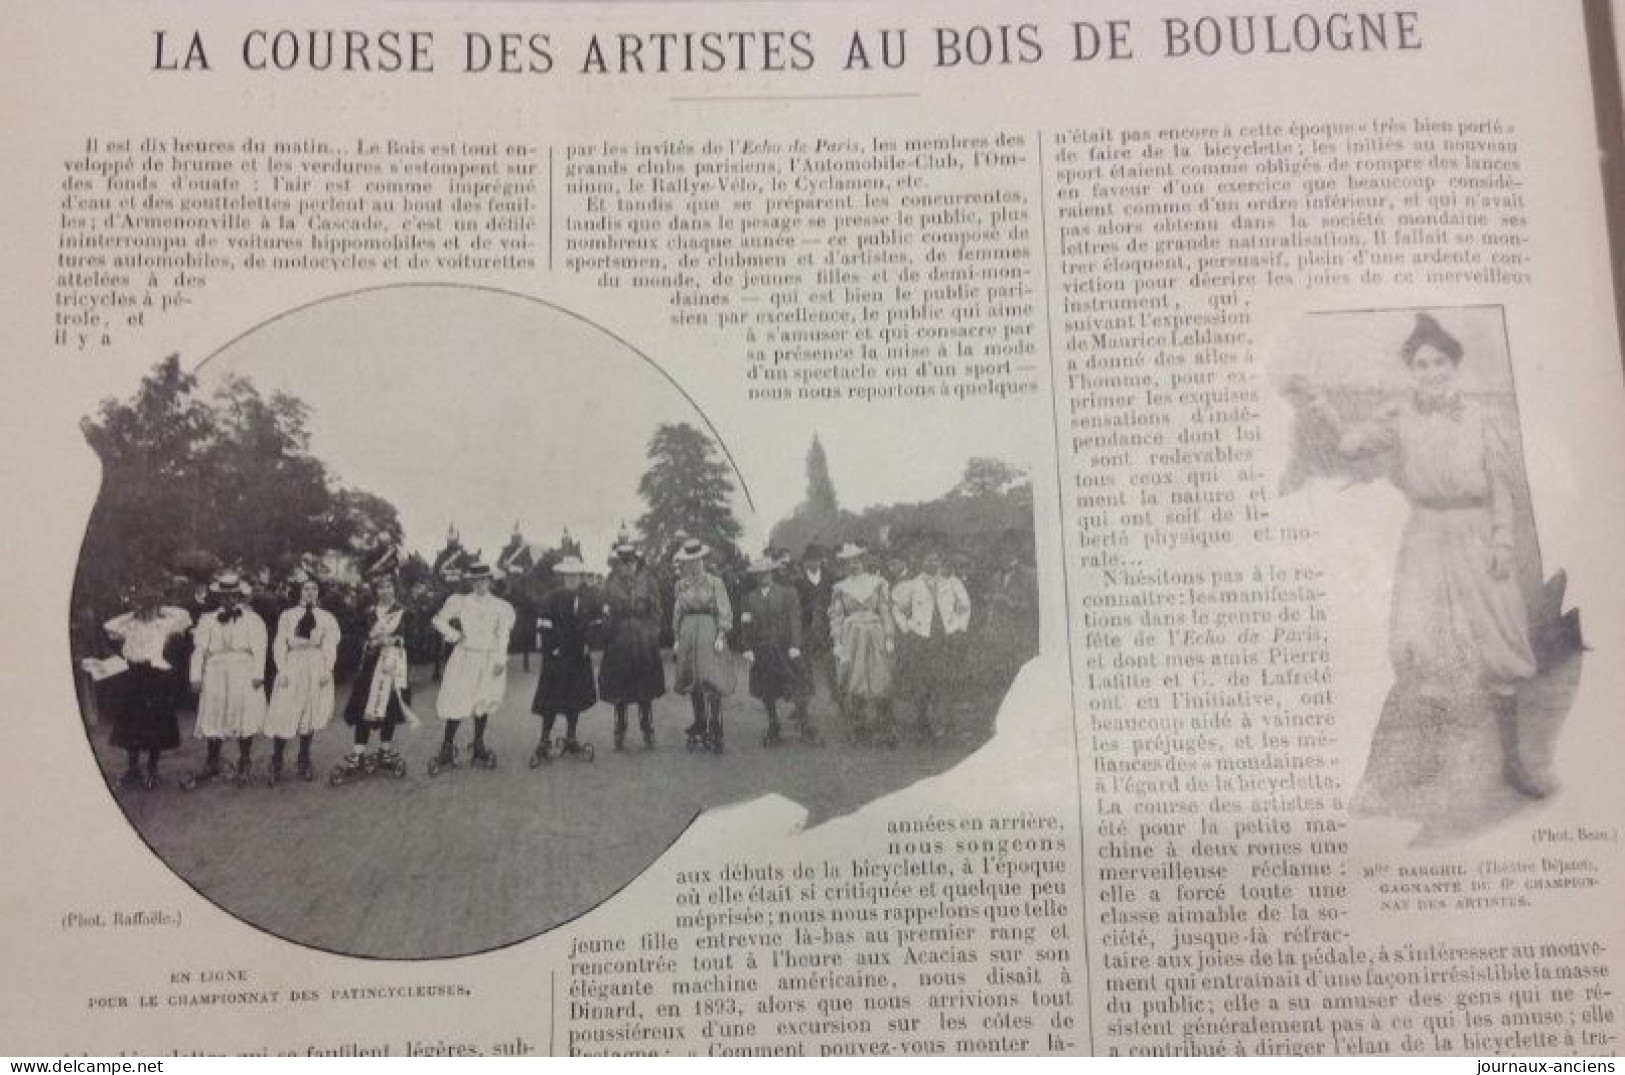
{"x": 570, "y": 565}
{"x": 692, "y": 549}
{"x": 850, "y": 550}
{"x": 384, "y": 562}
{"x": 474, "y": 570}
{"x": 230, "y": 582}
{"x": 764, "y": 566}
{"x": 814, "y": 551}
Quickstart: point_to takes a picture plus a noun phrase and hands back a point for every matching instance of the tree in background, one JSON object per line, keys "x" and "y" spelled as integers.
{"x": 190, "y": 483}
{"x": 819, "y": 517}
{"x": 985, "y": 476}
{"x": 688, "y": 487}
{"x": 153, "y": 452}
{"x": 821, "y": 499}
{"x": 990, "y": 500}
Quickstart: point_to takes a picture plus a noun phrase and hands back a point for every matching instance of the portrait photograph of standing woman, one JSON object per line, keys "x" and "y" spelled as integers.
{"x": 1484, "y": 661}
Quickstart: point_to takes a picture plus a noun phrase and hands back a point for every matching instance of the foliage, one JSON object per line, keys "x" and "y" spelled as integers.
{"x": 821, "y": 498}
{"x": 190, "y": 482}
{"x": 688, "y": 487}
{"x": 991, "y": 502}
{"x": 987, "y": 477}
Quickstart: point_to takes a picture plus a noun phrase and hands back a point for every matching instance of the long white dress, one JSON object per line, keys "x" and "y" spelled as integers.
{"x": 476, "y": 674}
{"x": 1454, "y": 626}
{"x": 226, "y": 658}
{"x": 302, "y": 699}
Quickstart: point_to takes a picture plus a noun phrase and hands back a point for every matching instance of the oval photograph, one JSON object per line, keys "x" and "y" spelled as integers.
{"x": 417, "y": 621}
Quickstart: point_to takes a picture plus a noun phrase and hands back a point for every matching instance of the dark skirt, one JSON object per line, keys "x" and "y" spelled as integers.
{"x": 774, "y": 675}
{"x": 355, "y": 706}
{"x": 565, "y": 685}
{"x": 632, "y": 670}
{"x": 925, "y": 666}
{"x": 144, "y": 701}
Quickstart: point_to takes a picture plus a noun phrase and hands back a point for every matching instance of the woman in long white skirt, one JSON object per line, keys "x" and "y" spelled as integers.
{"x": 478, "y": 624}
{"x": 306, "y": 648}
{"x": 228, "y": 672}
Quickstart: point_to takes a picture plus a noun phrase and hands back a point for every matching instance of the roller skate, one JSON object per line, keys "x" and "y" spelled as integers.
{"x": 446, "y": 759}
{"x": 388, "y": 761}
{"x": 482, "y": 757}
{"x": 648, "y": 739}
{"x": 541, "y": 755}
{"x": 353, "y": 767}
{"x": 128, "y": 780}
{"x": 242, "y": 774}
{"x": 304, "y": 770}
{"x": 716, "y": 737}
{"x": 620, "y": 742}
{"x": 772, "y": 737}
{"x": 696, "y": 739}
{"x": 273, "y": 774}
{"x": 150, "y": 780}
{"x": 573, "y": 748}
{"x": 206, "y": 775}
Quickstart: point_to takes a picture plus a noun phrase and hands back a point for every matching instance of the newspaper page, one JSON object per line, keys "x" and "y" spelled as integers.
{"x": 800, "y": 529}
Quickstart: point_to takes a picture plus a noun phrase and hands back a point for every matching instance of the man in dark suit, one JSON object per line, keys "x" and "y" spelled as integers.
{"x": 814, "y": 581}
{"x": 770, "y": 636}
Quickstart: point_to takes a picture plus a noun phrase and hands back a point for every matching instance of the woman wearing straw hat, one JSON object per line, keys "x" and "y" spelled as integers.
{"x": 565, "y": 687}
{"x": 381, "y": 696}
{"x": 144, "y": 700}
{"x": 702, "y": 616}
{"x": 228, "y": 672}
{"x": 632, "y": 671}
{"x": 478, "y": 624}
{"x": 306, "y": 648}
{"x": 863, "y": 631}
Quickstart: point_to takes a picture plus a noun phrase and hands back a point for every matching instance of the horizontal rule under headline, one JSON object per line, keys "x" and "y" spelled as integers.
{"x": 771, "y": 51}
